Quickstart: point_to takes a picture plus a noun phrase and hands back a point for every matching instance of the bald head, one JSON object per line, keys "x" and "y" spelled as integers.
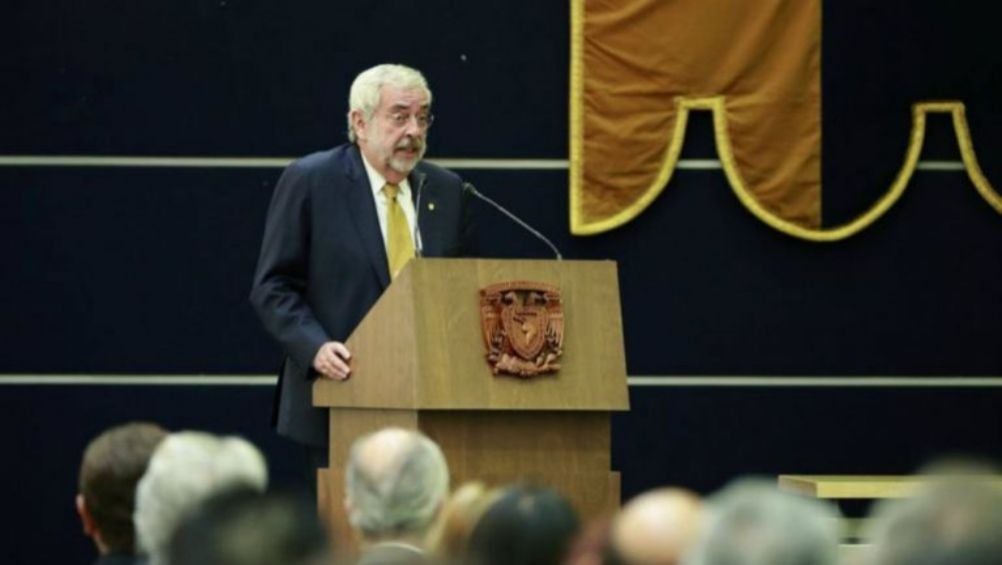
{"x": 657, "y": 527}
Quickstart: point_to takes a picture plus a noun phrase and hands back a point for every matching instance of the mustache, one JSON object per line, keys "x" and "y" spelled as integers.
{"x": 411, "y": 143}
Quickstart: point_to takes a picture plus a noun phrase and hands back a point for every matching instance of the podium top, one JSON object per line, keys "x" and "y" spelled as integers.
{"x": 422, "y": 345}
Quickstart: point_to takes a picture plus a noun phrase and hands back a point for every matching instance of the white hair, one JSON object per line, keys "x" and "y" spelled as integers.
{"x": 365, "y": 90}
{"x": 950, "y": 521}
{"x": 395, "y": 483}
{"x": 185, "y": 470}
{"x": 752, "y": 522}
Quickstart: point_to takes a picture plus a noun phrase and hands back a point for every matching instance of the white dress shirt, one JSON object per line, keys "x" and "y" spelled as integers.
{"x": 376, "y": 182}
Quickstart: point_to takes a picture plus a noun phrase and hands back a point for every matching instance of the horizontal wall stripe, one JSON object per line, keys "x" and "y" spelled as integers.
{"x": 940, "y": 166}
{"x": 281, "y": 162}
{"x": 143, "y": 380}
{"x": 803, "y": 381}
{"x": 729, "y": 381}
{"x": 246, "y": 162}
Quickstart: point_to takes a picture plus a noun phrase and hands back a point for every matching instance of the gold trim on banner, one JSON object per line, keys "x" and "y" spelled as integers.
{"x": 716, "y": 105}
{"x": 576, "y": 121}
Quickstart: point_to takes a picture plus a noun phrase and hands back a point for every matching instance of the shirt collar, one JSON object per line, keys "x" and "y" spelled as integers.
{"x": 377, "y": 181}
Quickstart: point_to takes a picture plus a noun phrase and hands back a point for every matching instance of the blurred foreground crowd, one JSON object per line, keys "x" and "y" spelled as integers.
{"x": 193, "y": 498}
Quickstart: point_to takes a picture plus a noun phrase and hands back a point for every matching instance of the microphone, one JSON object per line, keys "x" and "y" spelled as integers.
{"x": 418, "y": 244}
{"x": 467, "y": 187}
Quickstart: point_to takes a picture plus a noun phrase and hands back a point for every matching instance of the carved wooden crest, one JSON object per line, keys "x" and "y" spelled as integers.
{"x": 523, "y": 326}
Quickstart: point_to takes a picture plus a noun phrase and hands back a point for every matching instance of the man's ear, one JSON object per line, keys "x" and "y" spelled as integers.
{"x": 359, "y": 124}
{"x": 85, "y": 518}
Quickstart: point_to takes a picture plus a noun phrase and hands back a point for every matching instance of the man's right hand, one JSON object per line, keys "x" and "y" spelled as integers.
{"x": 331, "y": 361}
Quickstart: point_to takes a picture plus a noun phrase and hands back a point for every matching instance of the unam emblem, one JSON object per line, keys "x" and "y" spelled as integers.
{"x": 523, "y": 326}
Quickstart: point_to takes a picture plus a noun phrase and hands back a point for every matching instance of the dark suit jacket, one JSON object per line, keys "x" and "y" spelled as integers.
{"x": 120, "y": 559}
{"x": 323, "y": 264}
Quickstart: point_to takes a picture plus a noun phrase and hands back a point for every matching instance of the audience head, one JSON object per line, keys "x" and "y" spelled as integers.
{"x": 526, "y": 525}
{"x": 955, "y": 520}
{"x": 185, "y": 470}
{"x": 591, "y": 546}
{"x": 395, "y": 484}
{"x": 751, "y": 522}
{"x": 113, "y": 463}
{"x": 459, "y": 515}
{"x": 656, "y": 528}
{"x": 245, "y": 527}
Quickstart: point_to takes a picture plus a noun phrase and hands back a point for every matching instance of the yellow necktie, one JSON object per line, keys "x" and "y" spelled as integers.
{"x": 399, "y": 245}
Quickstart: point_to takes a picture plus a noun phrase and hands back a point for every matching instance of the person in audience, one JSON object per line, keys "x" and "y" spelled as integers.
{"x": 451, "y": 532}
{"x": 751, "y": 522}
{"x": 185, "y": 470}
{"x": 656, "y": 528}
{"x": 396, "y": 482}
{"x": 112, "y": 464}
{"x": 955, "y": 520}
{"x": 245, "y": 527}
{"x": 528, "y": 525}
{"x": 591, "y": 545}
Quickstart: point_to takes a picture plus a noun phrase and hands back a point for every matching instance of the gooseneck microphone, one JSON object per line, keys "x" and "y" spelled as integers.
{"x": 467, "y": 187}
{"x": 418, "y": 244}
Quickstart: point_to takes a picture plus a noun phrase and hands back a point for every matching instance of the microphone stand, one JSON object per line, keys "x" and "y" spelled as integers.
{"x": 467, "y": 187}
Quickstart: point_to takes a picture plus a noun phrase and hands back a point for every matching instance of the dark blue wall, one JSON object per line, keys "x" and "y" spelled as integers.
{"x": 145, "y": 270}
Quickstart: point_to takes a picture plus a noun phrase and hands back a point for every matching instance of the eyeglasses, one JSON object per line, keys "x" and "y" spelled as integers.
{"x": 401, "y": 119}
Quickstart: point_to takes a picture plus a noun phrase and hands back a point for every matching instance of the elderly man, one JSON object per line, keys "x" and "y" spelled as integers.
{"x": 396, "y": 482}
{"x": 657, "y": 527}
{"x": 113, "y": 463}
{"x": 954, "y": 520}
{"x": 187, "y": 469}
{"x": 751, "y": 522}
{"x": 245, "y": 527}
{"x": 341, "y": 225}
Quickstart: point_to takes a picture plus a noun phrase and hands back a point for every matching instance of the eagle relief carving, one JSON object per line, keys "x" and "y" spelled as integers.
{"x": 523, "y": 327}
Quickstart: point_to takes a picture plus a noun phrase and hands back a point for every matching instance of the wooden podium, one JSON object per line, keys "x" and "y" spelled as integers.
{"x": 419, "y": 362}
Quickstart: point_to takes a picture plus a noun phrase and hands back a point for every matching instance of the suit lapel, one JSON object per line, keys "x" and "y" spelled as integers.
{"x": 363, "y": 214}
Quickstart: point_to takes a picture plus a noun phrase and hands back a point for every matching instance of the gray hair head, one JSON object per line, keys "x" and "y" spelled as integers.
{"x": 185, "y": 470}
{"x": 365, "y": 90}
{"x": 395, "y": 483}
{"x": 751, "y": 522}
{"x": 953, "y": 521}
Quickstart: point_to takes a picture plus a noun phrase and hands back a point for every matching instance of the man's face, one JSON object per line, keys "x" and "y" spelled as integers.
{"x": 393, "y": 140}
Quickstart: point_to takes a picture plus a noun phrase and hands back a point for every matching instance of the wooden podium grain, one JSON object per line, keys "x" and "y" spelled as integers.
{"x": 418, "y": 362}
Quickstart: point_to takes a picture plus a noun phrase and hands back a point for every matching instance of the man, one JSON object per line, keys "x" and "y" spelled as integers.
{"x": 396, "y": 482}
{"x": 751, "y": 522}
{"x": 657, "y": 527}
{"x": 245, "y": 527}
{"x": 955, "y": 520}
{"x": 340, "y": 225}
{"x": 187, "y": 469}
{"x": 113, "y": 463}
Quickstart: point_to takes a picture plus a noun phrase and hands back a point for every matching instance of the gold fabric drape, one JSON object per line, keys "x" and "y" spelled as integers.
{"x": 635, "y": 61}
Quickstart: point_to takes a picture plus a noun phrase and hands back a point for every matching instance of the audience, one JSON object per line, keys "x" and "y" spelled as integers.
{"x": 655, "y": 528}
{"x": 956, "y": 520}
{"x": 197, "y": 499}
{"x": 527, "y": 525}
{"x": 751, "y": 522}
{"x": 396, "y": 482}
{"x": 185, "y": 470}
{"x": 245, "y": 527}
{"x": 112, "y": 464}
{"x": 591, "y": 546}
{"x": 451, "y": 532}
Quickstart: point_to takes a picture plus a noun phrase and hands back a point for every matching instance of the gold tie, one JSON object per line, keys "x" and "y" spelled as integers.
{"x": 399, "y": 245}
